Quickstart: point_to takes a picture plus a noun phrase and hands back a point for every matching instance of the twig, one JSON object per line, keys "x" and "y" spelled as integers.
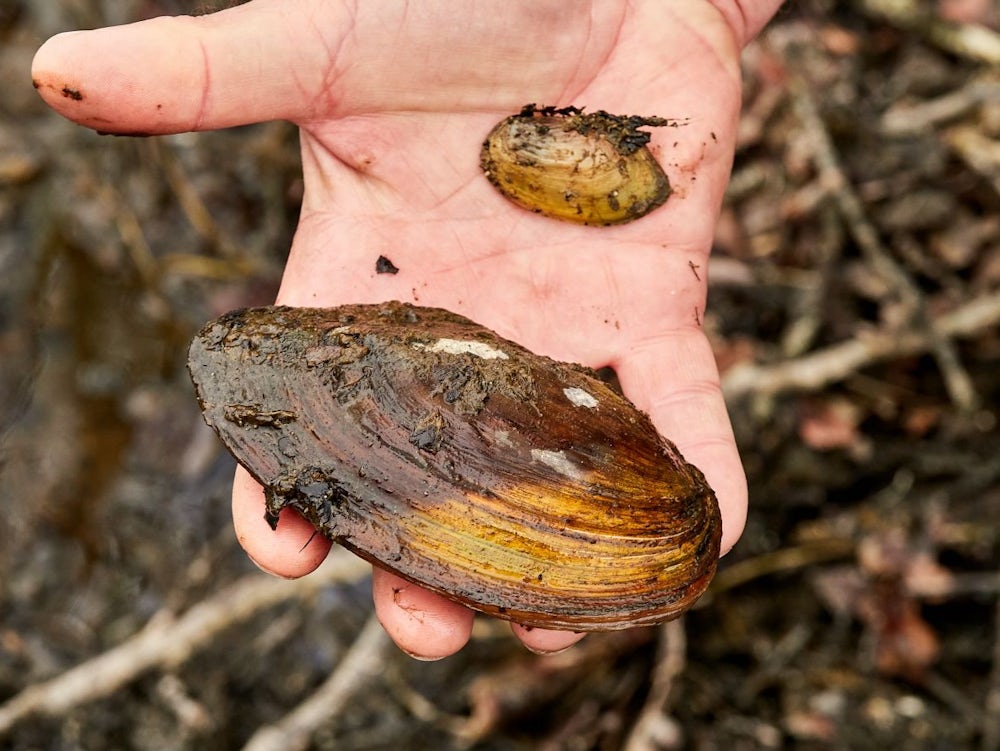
{"x": 167, "y": 641}
{"x": 361, "y": 663}
{"x": 806, "y": 318}
{"x": 774, "y": 663}
{"x": 980, "y": 153}
{"x": 422, "y": 708}
{"x": 130, "y": 230}
{"x": 826, "y": 366}
{"x": 192, "y": 715}
{"x": 654, "y": 721}
{"x": 907, "y": 119}
{"x": 191, "y": 203}
{"x": 967, "y": 40}
{"x": 782, "y": 560}
{"x": 520, "y": 685}
{"x": 957, "y": 380}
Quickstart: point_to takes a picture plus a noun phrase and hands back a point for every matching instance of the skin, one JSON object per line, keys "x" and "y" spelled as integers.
{"x": 393, "y": 100}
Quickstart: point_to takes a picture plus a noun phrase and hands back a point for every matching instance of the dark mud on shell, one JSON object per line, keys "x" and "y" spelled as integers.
{"x": 517, "y": 485}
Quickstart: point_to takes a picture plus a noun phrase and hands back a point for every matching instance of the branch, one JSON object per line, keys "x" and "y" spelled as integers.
{"x": 956, "y": 379}
{"x": 970, "y": 41}
{"x": 361, "y": 663}
{"x": 821, "y": 368}
{"x": 654, "y": 728}
{"x": 167, "y": 641}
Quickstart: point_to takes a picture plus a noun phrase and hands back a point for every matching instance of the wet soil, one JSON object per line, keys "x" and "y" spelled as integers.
{"x": 860, "y": 609}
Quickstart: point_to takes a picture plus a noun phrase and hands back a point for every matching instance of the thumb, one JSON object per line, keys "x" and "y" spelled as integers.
{"x": 174, "y": 74}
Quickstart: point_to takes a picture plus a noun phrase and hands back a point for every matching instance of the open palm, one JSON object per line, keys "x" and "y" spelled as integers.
{"x": 393, "y": 101}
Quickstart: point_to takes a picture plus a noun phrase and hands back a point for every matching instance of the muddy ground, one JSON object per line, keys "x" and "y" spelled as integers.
{"x": 854, "y": 308}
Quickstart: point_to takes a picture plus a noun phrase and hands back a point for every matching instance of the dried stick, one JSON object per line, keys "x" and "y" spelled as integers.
{"x": 970, "y": 41}
{"x": 781, "y": 561}
{"x": 191, "y": 203}
{"x": 823, "y": 367}
{"x": 653, "y": 721}
{"x": 978, "y": 151}
{"x": 956, "y": 379}
{"x": 806, "y": 319}
{"x": 361, "y": 663}
{"x": 168, "y": 641}
{"x": 907, "y": 119}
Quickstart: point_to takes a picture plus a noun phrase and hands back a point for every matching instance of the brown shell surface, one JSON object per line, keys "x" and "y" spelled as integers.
{"x": 586, "y": 168}
{"x": 514, "y": 484}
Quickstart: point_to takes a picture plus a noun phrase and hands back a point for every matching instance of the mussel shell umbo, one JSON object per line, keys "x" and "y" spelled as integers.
{"x": 589, "y": 168}
{"x": 520, "y": 486}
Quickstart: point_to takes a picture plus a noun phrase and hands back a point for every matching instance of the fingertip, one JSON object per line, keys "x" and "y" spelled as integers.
{"x": 723, "y": 470}
{"x": 423, "y": 624}
{"x": 544, "y": 641}
{"x": 293, "y": 549}
{"x": 47, "y": 67}
{"x": 130, "y": 80}
{"x": 48, "y": 56}
{"x": 173, "y": 74}
{"x": 676, "y": 382}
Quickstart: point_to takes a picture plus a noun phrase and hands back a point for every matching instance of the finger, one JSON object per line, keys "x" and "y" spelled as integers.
{"x": 174, "y": 74}
{"x": 423, "y": 624}
{"x": 544, "y": 642}
{"x": 674, "y": 380}
{"x": 291, "y": 550}
{"x": 271, "y": 59}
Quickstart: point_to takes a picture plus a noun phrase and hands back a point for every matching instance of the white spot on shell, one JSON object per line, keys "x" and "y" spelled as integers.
{"x": 459, "y": 347}
{"x": 580, "y": 398}
{"x": 557, "y": 460}
{"x": 502, "y": 438}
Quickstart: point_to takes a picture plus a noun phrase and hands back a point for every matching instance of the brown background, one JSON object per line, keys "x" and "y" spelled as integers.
{"x": 854, "y": 306}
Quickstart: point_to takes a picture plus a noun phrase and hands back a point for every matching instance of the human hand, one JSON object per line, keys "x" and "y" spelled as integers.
{"x": 393, "y": 100}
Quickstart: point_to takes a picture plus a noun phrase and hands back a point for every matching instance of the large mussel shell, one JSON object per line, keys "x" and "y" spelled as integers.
{"x": 520, "y": 486}
{"x": 588, "y": 168}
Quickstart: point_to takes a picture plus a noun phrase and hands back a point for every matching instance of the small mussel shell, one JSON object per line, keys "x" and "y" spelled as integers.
{"x": 519, "y": 486}
{"x": 586, "y": 168}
